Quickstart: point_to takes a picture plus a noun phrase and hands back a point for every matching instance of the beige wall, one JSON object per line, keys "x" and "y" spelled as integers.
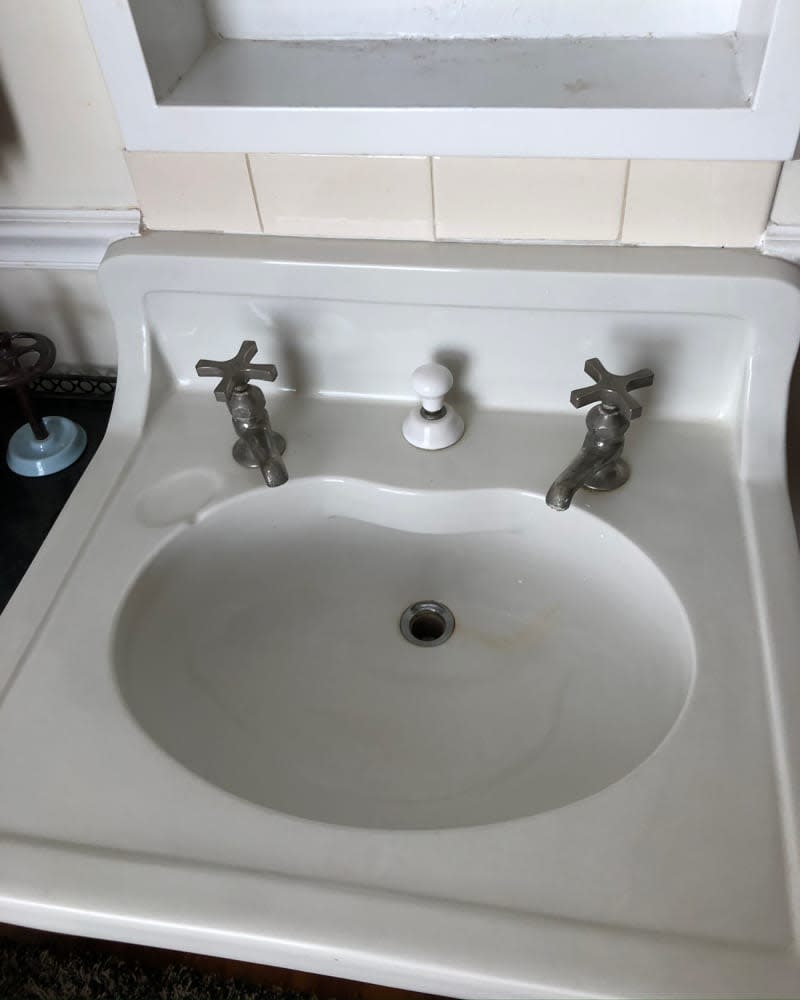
{"x": 60, "y": 147}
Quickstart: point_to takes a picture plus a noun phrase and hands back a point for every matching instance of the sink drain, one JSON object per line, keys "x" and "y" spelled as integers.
{"x": 427, "y": 623}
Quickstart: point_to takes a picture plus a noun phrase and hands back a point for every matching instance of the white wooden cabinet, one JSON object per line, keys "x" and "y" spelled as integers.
{"x": 705, "y": 79}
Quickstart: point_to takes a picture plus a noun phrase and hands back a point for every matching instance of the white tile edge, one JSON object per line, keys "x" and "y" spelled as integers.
{"x": 60, "y": 239}
{"x": 782, "y": 241}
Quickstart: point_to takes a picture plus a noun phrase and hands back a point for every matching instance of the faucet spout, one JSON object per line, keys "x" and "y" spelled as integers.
{"x": 582, "y": 471}
{"x": 265, "y": 448}
{"x": 259, "y": 446}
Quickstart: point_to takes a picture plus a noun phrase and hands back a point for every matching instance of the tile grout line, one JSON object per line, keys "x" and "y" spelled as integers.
{"x": 624, "y": 201}
{"x": 253, "y": 190}
{"x": 433, "y": 200}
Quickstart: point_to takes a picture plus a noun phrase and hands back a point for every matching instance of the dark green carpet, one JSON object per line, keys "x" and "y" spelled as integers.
{"x": 30, "y": 972}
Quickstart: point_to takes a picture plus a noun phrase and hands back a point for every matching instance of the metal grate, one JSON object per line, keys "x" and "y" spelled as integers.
{"x": 74, "y": 384}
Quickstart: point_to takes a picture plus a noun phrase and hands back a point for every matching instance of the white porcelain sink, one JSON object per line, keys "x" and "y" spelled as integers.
{"x": 261, "y": 648}
{"x": 214, "y": 735}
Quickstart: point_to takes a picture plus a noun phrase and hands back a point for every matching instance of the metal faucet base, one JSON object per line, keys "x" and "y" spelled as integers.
{"x": 244, "y": 456}
{"x": 609, "y": 478}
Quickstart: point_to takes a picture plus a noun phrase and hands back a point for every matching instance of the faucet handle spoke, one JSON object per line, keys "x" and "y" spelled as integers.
{"x": 612, "y": 390}
{"x": 236, "y": 371}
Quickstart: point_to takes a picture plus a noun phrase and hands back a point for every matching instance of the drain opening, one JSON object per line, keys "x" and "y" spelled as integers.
{"x": 427, "y": 623}
{"x": 427, "y": 626}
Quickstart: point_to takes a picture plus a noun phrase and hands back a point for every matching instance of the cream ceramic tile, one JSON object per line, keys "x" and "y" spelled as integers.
{"x": 477, "y": 198}
{"x": 373, "y": 197}
{"x": 195, "y": 191}
{"x": 786, "y": 207}
{"x": 60, "y": 146}
{"x": 698, "y": 203}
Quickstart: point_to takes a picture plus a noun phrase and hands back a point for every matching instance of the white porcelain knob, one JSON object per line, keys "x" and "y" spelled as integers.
{"x": 432, "y": 383}
{"x": 432, "y": 424}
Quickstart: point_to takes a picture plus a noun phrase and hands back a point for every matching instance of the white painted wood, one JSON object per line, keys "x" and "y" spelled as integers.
{"x": 753, "y": 28}
{"x": 172, "y": 36}
{"x": 426, "y": 73}
{"x": 782, "y": 241}
{"x": 637, "y": 134}
{"x": 777, "y": 83}
{"x": 120, "y": 55}
{"x": 659, "y": 97}
{"x": 61, "y": 239}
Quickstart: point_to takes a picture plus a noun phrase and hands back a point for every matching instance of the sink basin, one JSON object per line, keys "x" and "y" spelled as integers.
{"x": 261, "y": 648}
{"x": 234, "y": 720}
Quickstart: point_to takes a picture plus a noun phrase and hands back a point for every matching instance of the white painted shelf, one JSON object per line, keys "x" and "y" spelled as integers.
{"x": 535, "y": 79}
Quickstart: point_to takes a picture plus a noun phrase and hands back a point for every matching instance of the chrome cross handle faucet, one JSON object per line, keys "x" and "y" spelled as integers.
{"x": 599, "y": 465}
{"x": 258, "y": 445}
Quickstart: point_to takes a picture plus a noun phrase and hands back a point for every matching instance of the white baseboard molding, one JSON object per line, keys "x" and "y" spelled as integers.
{"x": 782, "y": 241}
{"x": 77, "y": 239}
{"x": 62, "y": 239}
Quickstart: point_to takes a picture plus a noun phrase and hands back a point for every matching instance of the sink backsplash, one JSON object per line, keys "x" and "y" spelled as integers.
{"x": 502, "y": 358}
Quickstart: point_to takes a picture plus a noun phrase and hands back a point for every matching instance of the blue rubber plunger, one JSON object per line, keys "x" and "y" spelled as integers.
{"x": 64, "y": 444}
{"x": 45, "y": 444}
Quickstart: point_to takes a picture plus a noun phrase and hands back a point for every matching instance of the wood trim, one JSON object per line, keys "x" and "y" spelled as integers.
{"x": 782, "y": 241}
{"x": 62, "y": 238}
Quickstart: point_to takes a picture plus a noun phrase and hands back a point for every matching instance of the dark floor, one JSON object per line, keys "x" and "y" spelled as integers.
{"x": 29, "y": 507}
{"x": 38, "y": 965}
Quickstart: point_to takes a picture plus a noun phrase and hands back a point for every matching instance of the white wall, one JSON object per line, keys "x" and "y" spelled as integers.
{"x": 468, "y": 18}
{"x": 786, "y": 208}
